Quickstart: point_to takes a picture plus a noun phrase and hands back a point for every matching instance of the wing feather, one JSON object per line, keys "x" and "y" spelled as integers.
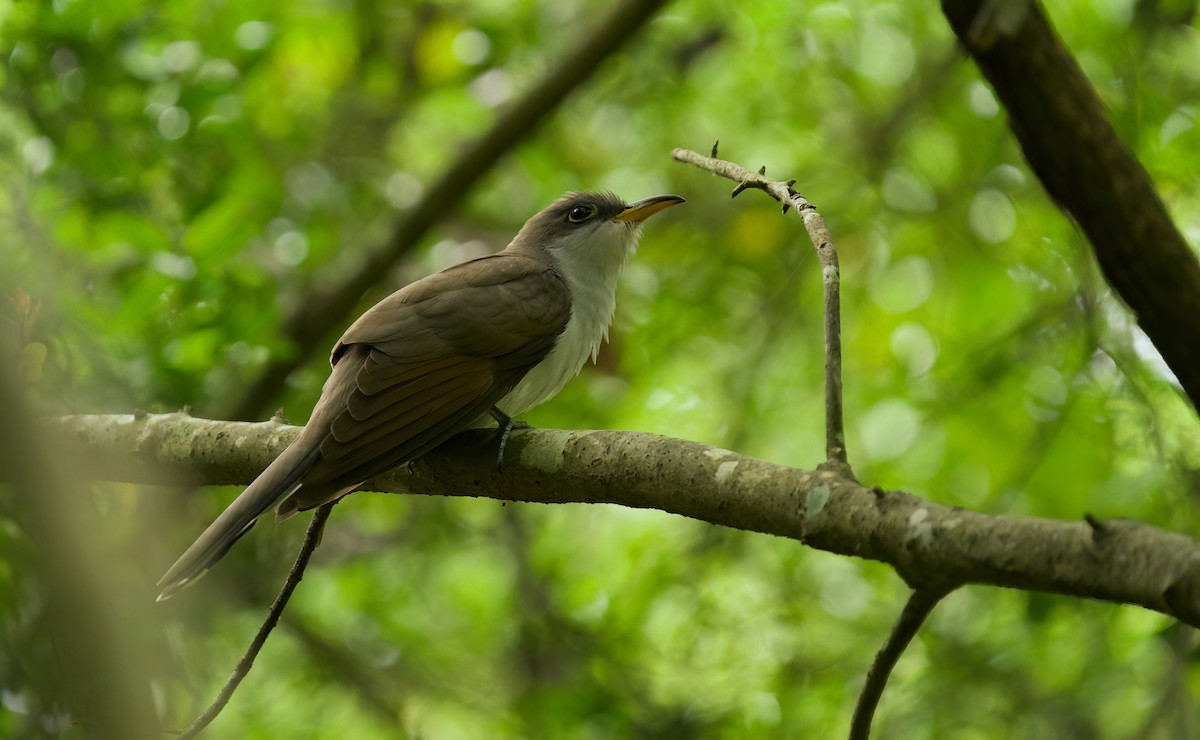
{"x": 380, "y": 405}
{"x": 489, "y": 307}
{"x": 400, "y": 421}
{"x": 431, "y": 359}
{"x": 381, "y": 372}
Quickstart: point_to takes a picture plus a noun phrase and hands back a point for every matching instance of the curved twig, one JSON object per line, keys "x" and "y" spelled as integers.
{"x": 818, "y": 232}
{"x": 312, "y": 538}
{"x": 920, "y": 604}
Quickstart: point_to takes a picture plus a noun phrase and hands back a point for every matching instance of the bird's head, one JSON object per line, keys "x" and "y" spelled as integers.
{"x": 586, "y": 233}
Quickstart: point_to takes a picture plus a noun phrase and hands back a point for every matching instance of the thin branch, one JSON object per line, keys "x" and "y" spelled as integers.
{"x": 919, "y": 605}
{"x": 818, "y": 232}
{"x": 1070, "y": 144}
{"x": 1114, "y": 560}
{"x": 312, "y": 538}
{"x": 376, "y": 689}
{"x": 319, "y": 315}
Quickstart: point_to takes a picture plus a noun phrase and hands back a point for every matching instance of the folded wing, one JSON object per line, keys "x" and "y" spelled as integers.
{"x": 431, "y": 359}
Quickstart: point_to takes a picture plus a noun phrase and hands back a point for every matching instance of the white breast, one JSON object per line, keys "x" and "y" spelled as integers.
{"x": 591, "y": 266}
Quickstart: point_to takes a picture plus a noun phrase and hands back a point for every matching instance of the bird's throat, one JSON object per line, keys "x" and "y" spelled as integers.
{"x": 592, "y": 277}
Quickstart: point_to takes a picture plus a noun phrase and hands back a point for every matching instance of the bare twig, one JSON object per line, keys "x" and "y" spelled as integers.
{"x": 312, "y": 538}
{"x": 919, "y": 605}
{"x": 318, "y": 315}
{"x": 818, "y": 232}
{"x": 378, "y": 690}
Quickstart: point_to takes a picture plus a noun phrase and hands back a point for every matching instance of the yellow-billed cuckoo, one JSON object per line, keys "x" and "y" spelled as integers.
{"x": 493, "y": 336}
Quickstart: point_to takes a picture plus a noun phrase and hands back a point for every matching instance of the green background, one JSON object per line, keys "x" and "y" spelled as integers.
{"x": 178, "y": 178}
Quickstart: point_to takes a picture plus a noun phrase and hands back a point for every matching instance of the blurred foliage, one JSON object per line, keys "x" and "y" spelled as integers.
{"x": 180, "y": 175}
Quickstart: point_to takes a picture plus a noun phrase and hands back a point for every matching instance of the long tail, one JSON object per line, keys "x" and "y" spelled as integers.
{"x": 281, "y": 478}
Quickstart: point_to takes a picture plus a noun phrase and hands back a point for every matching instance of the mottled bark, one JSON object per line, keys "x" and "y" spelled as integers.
{"x": 931, "y": 546}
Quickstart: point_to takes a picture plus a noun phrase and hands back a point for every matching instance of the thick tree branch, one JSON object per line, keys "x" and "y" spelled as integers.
{"x": 931, "y": 546}
{"x": 321, "y": 314}
{"x": 822, "y": 241}
{"x": 1071, "y": 146}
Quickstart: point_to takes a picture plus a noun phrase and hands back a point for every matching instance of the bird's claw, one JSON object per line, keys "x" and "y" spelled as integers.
{"x": 506, "y": 425}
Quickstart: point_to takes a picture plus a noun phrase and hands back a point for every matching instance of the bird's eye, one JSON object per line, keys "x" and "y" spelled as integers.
{"x": 579, "y": 214}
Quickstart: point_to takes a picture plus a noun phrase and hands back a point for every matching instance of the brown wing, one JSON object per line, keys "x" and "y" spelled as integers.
{"x": 426, "y": 362}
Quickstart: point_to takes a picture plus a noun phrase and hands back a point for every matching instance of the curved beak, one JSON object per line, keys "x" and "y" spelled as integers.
{"x": 647, "y": 207}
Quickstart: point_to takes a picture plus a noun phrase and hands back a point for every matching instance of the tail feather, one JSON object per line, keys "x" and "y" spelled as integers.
{"x": 280, "y": 479}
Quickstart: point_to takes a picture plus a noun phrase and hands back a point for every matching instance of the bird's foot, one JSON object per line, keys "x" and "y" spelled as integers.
{"x": 506, "y": 424}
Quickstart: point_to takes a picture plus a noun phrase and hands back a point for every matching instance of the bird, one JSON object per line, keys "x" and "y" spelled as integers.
{"x": 486, "y": 339}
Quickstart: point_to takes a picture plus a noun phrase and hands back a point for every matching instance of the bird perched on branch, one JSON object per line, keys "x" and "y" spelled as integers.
{"x": 492, "y": 337}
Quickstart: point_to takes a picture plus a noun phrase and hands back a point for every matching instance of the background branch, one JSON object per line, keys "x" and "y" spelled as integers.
{"x": 97, "y": 674}
{"x": 1069, "y": 143}
{"x": 319, "y": 315}
{"x": 929, "y": 545}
